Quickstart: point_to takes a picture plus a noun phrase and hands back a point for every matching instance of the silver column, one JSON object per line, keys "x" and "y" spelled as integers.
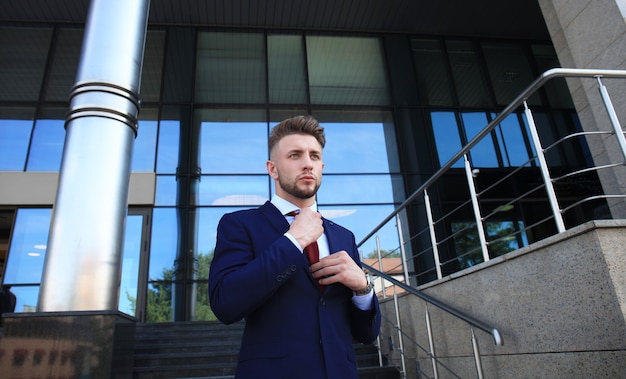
{"x": 82, "y": 265}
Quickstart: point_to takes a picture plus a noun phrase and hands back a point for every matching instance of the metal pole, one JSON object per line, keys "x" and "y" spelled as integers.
{"x": 433, "y": 236}
{"x": 477, "y": 359}
{"x": 380, "y": 266}
{"x": 399, "y": 328}
{"x": 543, "y": 165}
{"x": 82, "y": 265}
{"x": 380, "y": 351}
{"x": 431, "y": 343}
{"x": 405, "y": 268}
{"x": 479, "y": 221}
{"x": 617, "y": 128}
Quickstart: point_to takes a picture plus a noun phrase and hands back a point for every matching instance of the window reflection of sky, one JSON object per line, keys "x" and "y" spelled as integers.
{"x": 47, "y": 145}
{"x": 27, "y": 254}
{"x": 355, "y": 147}
{"x": 483, "y": 154}
{"x": 144, "y": 147}
{"x": 233, "y": 147}
{"x": 356, "y": 176}
{"x": 130, "y": 263}
{"x": 169, "y": 137}
{"x": 14, "y": 138}
{"x": 351, "y": 148}
{"x": 510, "y": 139}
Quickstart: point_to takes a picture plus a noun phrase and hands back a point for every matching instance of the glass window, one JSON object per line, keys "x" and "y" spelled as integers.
{"x": 230, "y": 68}
{"x": 509, "y": 70}
{"x": 286, "y": 69}
{"x": 512, "y": 141}
{"x": 346, "y": 70}
{"x": 483, "y": 154}
{"x": 433, "y": 80}
{"x": 164, "y": 244}
{"x": 15, "y": 129}
{"x": 355, "y": 147}
{"x": 361, "y": 219}
{"x": 159, "y": 302}
{"x": 48, "y": 138}
{"x": 232, "y": 142}
{"x": 503, "y": 236}
{"x": 130, "y": 264}
{"x": 233, "y": 190}
{"x": 447, "y": 138}
{"x": 556, "y": 89}
{"x": 144, "y": 149}
{"x": 152, "y": 69}
{"x": 28, "y": 247}
{"x": 169, "y": 146}
{"x": 359, "y": 141}
{"x": 467, "y": 75}
{"x": 358, "y": 189}
{"x": 166, "y": 190}
{"x": 171, "y": 136}
{"x": 202, "y": 306}
{"x": 24, "y": 52}
{"x": 233, "y": 147}
{"x": 26, "y": 298}
{"x": 64, "y": 64}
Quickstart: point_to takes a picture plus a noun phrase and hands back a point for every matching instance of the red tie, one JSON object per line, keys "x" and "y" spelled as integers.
{"x": 312, "y": 251}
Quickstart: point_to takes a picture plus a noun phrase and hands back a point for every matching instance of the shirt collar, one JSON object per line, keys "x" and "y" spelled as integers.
{"x": 285, "y": 207}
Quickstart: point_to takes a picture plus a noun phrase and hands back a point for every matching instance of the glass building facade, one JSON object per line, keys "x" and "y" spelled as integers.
{"x": 395, "y": 108}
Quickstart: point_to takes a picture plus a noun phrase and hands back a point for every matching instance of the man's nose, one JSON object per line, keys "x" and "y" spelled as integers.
{"x": 307, "y": 161}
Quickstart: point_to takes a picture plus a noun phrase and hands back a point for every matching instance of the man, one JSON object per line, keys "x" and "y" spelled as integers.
{"x": 301, "y": 318}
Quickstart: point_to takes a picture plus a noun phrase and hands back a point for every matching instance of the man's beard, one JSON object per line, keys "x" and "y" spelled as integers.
{"x": 294, "y": 190}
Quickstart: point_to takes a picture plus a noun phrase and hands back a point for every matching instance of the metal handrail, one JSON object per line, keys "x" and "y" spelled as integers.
{"x": 497, "y": 337}
{"x": 518, "y": 101}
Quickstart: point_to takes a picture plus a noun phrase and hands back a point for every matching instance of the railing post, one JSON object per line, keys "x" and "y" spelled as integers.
{"x": 477, "y": 359}
{"x": 380, "y": 266}
{"x": 617, "y": 128}
{"x": 556, "y": 211}
{"x": 474, "y": 197}
{"x": 405, "y": 268}
{"x": 433, "y": 236}
{"x": 399, "y": 328}
{"x": 380, "y": 351}
{"x": 431, "y": 344}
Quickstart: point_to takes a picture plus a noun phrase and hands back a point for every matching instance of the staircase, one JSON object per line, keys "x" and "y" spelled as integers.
{"x": 209, "y": 350}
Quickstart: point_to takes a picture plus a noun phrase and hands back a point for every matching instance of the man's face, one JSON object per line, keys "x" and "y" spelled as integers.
{"x": 296, "y": 166}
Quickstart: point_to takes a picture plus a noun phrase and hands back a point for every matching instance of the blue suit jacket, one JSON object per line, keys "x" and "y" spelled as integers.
{"x": 292, "y": 330}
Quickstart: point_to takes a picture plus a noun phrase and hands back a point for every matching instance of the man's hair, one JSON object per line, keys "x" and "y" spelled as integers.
{"x": 297, "y": 125}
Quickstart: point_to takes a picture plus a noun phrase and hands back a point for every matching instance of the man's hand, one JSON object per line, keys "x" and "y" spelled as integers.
{"x": 307, "y": 227}
{"x": 339, "y": 268}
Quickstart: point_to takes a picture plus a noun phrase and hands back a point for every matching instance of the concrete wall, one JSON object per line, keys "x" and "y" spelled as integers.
{"x": 559, "y": 304}
{"x": 40, "y": 188}
{"x": 592, "y": 34}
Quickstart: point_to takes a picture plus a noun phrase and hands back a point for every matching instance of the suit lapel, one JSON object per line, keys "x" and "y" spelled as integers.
{"x": 275, "y": 218}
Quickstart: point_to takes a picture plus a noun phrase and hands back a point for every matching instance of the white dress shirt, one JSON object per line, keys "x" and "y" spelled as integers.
{"x": 362, "y": 302}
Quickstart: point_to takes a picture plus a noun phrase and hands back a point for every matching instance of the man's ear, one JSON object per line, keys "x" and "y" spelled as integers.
{"x": 271, "y": 169}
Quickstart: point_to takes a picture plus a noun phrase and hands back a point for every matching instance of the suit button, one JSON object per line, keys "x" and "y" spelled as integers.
{"x": 322, "y": 302}
{"x": 293, "y": 268}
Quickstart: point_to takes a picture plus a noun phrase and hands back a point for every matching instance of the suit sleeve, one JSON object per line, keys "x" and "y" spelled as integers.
{"x": 365, "y": 324}
{"x": 242, "y": 279}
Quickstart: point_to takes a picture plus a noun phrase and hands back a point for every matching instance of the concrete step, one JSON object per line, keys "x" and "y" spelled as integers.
{"x": 209, "y": 350}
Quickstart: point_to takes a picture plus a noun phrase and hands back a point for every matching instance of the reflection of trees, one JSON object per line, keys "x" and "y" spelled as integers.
{"x": 383, "y": 253}
{"x": 501, "y": 236}
{"x": 159, "y": 301}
